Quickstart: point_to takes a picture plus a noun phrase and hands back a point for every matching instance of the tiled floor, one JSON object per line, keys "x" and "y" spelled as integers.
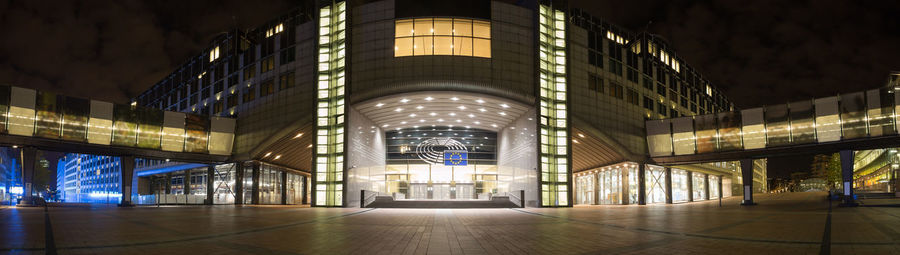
{"x": 780, "y": 224}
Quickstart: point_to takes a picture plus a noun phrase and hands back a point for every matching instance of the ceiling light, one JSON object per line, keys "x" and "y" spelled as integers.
{"x": 268, "y": 154}
{"x": 581, "y": 135}
{"x": 482, "y": 110}
{"x": 298, "y": 135}
{"x": 452, "y": 114}
{"x": 432, "y": 114}
{"x": 419, "y": 107}
{"x": 398, "y": 109}
{"x": 379, "y": 105}
{"x": 277, "y": 157}
{"x": 385, "y": 125}
{"x": 429, "y": 98}
{"x": 415, "y": 126}
{"x": 479, "y": 101}
{"x": 454, "y": 98}
{"x": 403, "y": 123}
{"x": 468, "y": 127}
{"x": 310, "y": 146}
{"x": 471, "y": 115}
{"x": 477, "y": 122}
{"x": 503, "y": 113}
{"x": 440, "y": 120}
{"x": 512, "y": 128}
{"x": 493, "y": 125}
{"x": 404, "y": 100}
{"x": 530, "y": 119}
{"x": 412, "y": 115}
{"x": 458, "y": 120}
{"x": 422, "y": 120}
{"x": 504, "y": 105}
{"x": 461, "y": 107}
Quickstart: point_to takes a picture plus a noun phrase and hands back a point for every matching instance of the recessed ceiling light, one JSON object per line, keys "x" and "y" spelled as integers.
{"x": 458, "y": 120}
{"x": 452, "y": 114}
{"x": 461, "y": 107}
{"x": 385, "y": 125}
{"x": 482, "y": 110}
{"x": 415, "y": 126}
{"x": 477, "y": 122}
{"x": 512, "y": 128}
{"x": 277, "y": 157}
{"x": 493, "y": 125}
{"x": 379, "y": 105}
{"x": 581, "y": 135}
{"x": 429, "y": 98}
{"x": 298, "y": 135}
{"x": 432, "y": 114}
{"x": 468, "y": 127}
{"x": 412, "y": 115}
{"x": 398, "y": 109}
{"x": 403, "y": 123}
{"x": 422, "y": 120}
{"x": 309, "y": 146}
{"x": 419, "y": 107}
{"x": 440, "y": 120}
{"x": 503, "y": 113}
{"x": 404, "y": 100}
{"x": 479, "y": 101}
{"x": 471, "y": 115}
{"x": 267, "y": 154}
{"x": 454, "y": 98}
{"x": 504, "y": 105}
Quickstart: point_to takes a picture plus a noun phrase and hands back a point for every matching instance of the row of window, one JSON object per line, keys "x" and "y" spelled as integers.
{"x": 442, "y": 36}
{"x": 595, "y": 83}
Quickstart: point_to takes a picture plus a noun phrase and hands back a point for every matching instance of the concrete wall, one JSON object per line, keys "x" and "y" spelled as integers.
{"x": 517, "y": 156}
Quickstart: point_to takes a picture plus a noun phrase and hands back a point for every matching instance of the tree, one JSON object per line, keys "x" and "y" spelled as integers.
{"x": 828, "y": 168}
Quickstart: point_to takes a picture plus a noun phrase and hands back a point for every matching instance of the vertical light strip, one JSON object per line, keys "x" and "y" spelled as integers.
{"x": 555, "y": 169}
{"x": 329, "y": 150}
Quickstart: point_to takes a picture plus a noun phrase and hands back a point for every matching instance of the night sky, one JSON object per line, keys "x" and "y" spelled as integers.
{"x": 758, "y": 52}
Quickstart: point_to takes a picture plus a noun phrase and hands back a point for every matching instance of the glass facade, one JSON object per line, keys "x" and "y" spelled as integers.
{"x": 442, "y": 36}
{"x": 714, "y": 186}
{"x": 610, "y": 185}
{"x": 328, "y": 165}
{"x": 655, "y": 184}
{"x": 698, "y": 186}
{"x": 845, "y": 117}
{"x": 554, "y": 129}
{"x": 680, "y": 185}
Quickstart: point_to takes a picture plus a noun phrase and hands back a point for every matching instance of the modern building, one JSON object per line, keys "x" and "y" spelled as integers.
{"x": 436, "y": 100}
{"x": 10, "y": 176}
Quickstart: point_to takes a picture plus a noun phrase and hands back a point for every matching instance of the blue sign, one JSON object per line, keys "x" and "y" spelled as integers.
{"x": 456, "y": 158}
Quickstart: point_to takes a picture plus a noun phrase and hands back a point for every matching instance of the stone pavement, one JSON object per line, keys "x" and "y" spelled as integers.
{"x": 788, "y": 223}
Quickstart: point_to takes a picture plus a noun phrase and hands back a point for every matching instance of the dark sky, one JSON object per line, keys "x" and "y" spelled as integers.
{"x": 758, "y": 52}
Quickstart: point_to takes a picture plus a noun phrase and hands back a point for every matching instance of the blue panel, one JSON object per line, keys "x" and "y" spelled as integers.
{"x": 456, "y": 158}
{"x": 169, "y": 169}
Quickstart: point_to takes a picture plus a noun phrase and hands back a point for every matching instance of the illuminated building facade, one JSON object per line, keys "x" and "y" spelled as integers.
{"x": 423, "y": 100}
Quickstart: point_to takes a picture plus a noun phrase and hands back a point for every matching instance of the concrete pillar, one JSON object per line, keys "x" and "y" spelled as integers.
{"x": 690, "y": 185}
{"x": 847, "y": 178}
{"x": 255, "y": 190}
{"x": 596, "y": 188}
{"x": 283, "y": 187}
{"x": 721, "y": 179}
{"x": 238, "y": 183}
{"x": 127, "y": 178}
{"x": 210, "y": 180}
{"x": 168, "y": 181}
{"x": 668, "y": 185}
{"x": 187, "y": 182}
{"x": 747, "y": 179}
{"x": 642, "y": 184}
{"x": 706, "y": 186}
{"x": 28, "y": 157}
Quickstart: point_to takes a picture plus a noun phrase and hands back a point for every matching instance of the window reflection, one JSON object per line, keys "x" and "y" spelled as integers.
{"x": 442, "y": 36}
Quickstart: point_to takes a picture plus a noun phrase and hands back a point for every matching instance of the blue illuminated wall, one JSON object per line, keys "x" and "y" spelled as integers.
{"x": 90, "y": 179}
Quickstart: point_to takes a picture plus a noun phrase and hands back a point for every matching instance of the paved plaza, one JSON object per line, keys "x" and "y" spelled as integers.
{"x": 791, "y": 223}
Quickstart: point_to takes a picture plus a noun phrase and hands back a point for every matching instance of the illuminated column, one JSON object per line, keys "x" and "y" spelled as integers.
{"x": 556, "y": 173}
{"x": 127, "y": 178}
{"x": 328, "y": 166}
{"x": 847, "y": 177}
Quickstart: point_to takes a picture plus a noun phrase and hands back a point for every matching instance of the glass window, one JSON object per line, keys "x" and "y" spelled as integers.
{"x": 442, "y": 36}
{"x": 679, "y": 185}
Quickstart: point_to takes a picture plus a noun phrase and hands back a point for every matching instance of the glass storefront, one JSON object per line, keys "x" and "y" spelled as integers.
{"x": 655, "y": 184}
{"x": 611, "y": 185}
{"x": 714, "y": 186}
{"x": 699, "y": 186}
{"x": 584, "y": 189}
{"x": 679, "y": 185}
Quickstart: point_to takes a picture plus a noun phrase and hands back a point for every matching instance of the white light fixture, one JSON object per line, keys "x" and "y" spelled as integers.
{"x": 429, "y": 98}
{"x": 398, "y": 109}
{"x": 403, "y": 123}
{"x": 452, "y": 114}
{"x": 440, "y": 120}
{"x": 298, "y": 135}
{"x": 504, "y": 105}
{"x": 454, "y": 98}
{"x": 479, "y": 101}
{"x": 267, "y": 154}
{"x": 379, "y": 105}
{"x": 494, "y": 125}
{"x": 477, "y": 122}
{"x": 412, "y": 115}
{"x": 458, "y": 121}
{"x": 419, "y": 107}
{"x": 471, "y": 115}
{"x": 432, "y": 114}
{"x": 385, "y": 125}
{"x": 422, "y": 120}
{"x": 503, "y": 113}
{"x": 404, "y": 100}
{"x": 461, "y": 107}
{"x": 277, "y": 157}
{"x": 482, "y": 110}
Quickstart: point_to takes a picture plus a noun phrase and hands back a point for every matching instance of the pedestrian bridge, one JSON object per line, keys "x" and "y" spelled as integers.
{"x": 853, "y": 121}
{"x": 53, "y": 122}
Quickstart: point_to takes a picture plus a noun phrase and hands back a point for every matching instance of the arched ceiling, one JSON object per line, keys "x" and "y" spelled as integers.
{"x": 441, "y": 108}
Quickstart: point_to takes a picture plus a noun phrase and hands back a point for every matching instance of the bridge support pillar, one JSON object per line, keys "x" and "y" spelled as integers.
{"x": 168, "y": 183}
{"x": 255, "y": 190}
{"x": 127, "y": 179}
{"x": 187, "y": 182}
{"x": 668, "y": 185}
{"x": 238, "y": 183}
{"x": 747, "y": 179}
{"x": 847, "y": 178}
{"x": 210, "y": 179}
{"x": 28, "y": 157}
{"x": 690, "y": 186}
{"x": 706, "y": 186}
{"x": 283, "y": 187}
{"x": 721, "y": 195}
{"x": 642, "y": 184}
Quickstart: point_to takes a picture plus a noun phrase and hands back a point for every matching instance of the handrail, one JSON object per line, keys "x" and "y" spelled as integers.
{"x": 517, "y": 199}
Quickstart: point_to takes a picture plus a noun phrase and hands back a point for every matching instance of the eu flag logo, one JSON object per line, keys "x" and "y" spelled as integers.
{"x": 456, "y": 158}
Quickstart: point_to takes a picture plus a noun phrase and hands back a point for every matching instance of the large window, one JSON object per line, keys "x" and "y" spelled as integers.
{"x": 442, "y": 36}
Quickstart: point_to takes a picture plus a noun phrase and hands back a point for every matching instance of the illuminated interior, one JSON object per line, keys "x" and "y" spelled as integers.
{"x": 442, "y": 36}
